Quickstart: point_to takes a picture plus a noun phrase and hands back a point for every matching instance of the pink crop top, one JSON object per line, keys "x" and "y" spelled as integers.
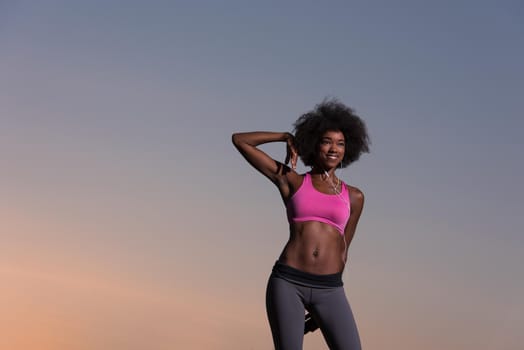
{"x": 309, "y": 204}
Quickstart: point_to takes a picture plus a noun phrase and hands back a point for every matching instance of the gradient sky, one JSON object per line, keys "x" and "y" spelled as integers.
{"x": 128, "y": 220}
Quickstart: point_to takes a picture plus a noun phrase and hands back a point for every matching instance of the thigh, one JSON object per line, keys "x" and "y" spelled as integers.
{"x": 334, "y": 316}
{"x": 285, "y": 312}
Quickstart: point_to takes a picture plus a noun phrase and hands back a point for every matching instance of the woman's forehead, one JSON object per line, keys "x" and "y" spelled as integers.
{"x": 333, "y": 134}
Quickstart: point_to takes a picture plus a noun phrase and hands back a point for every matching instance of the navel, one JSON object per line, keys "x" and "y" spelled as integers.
{"x": 315, "y": 252}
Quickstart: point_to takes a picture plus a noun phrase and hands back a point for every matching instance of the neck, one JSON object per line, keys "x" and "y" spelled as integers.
{"x": 319, "y": 170}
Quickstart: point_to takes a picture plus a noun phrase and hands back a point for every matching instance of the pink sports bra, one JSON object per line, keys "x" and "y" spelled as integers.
{"x": 309, "y": 204}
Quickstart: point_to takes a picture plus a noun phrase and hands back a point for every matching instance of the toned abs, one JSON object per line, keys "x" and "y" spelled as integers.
{"x": 314, "y": 247}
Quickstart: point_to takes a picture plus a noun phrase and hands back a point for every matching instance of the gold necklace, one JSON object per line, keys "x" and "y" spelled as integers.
{"x": 333, "y": 186}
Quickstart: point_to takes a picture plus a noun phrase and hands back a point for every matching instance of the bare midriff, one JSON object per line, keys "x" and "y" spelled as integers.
{"x": 314, "y": 247}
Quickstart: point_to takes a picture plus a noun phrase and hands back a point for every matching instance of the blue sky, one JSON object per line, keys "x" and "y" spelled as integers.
{"x": 115, "y": 135}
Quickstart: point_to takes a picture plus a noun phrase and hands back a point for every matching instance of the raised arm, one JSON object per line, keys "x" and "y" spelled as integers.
{"x": 247, "y": 143}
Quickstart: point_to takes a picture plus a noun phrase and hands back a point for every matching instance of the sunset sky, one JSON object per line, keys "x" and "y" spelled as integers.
{"x": 128, "y": 221}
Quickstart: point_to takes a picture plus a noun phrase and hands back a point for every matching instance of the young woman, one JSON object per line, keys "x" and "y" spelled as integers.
{"x": 323, "y": 213}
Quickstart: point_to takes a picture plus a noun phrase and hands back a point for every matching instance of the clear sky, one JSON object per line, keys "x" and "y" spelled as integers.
{"x": 128, "y": 220}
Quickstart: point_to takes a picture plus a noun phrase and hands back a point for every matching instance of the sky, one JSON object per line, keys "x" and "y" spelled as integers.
{"x": 129, "y": 221}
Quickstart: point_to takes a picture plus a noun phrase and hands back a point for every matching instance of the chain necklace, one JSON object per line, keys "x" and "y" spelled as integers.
{"x": 333, "y": 186}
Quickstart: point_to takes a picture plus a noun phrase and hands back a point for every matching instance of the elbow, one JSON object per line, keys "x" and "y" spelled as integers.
{"x": 236, "y": 138}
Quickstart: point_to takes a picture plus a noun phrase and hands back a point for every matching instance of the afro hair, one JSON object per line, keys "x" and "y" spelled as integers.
{"x": 330, "y": 115}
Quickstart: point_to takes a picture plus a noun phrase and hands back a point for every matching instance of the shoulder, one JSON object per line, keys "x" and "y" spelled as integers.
{"x": 288, "y": 180}
{"x": 295, "y": 179}
{"x": 286, "y": 174}
{"x": 355, "y": 195}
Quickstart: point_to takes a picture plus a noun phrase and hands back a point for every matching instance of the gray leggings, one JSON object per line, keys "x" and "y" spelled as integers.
{"x": 286, "y": 303}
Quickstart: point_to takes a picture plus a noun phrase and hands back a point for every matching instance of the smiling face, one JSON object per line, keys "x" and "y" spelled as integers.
{"x": 331, "y": 149}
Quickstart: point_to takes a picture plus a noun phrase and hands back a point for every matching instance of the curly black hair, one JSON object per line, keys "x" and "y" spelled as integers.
{"x": 330, "y": 115}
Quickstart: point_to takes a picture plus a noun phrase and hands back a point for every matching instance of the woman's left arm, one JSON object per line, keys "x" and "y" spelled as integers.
{"x": 357, "y": 204}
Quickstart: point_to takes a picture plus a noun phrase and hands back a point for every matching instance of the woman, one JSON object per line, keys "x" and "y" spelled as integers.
{"x": 323, "y": 213}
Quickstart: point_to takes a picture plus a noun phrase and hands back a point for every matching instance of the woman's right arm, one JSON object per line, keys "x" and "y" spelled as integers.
{"x": 247, "y": 142}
